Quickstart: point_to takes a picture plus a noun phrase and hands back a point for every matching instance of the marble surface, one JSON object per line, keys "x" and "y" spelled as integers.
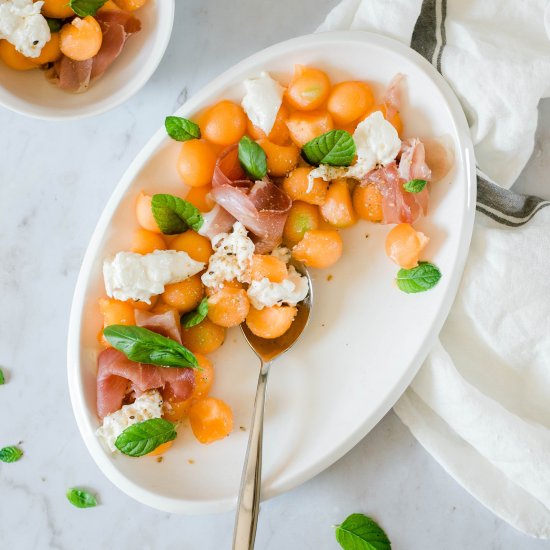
{"x": 55, "y": 179}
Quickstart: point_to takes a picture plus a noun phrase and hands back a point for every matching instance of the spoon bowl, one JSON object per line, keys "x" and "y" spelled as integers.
{"x": 267, "y": 351}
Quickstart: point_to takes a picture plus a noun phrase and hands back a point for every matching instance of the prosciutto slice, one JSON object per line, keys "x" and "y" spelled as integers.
{"x": 392, "y": 96}
{"x": 116, "y": 374}
{"x": 166, "y": 323}
{"x": 216, "y": 221}
{"x": 260, "y": 206}
{"x": 75, "y": 76}
{"x": 412, "y": 164}
{"x": 439, "y": 156}
{"x": 398, "y": 205}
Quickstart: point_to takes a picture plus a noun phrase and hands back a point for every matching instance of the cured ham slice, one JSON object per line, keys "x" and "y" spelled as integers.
{"x": 392, "y": 96}
{"x": 69, "y": 75}
{"x": 398, "y": 205}
{"x": 166, "y": 323}
{"x": 75, "y": 76}
{"x": 260, "y": 206}
{"x": 412, "y": 164}
{"x": 216, "y": 221}
{"x": 116, "y": 374}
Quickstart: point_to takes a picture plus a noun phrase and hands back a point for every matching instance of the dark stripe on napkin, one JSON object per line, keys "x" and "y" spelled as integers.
{"x": 502, "y": 205}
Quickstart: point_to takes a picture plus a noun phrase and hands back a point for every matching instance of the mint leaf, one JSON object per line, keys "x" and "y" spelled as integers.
{"x": 418, "y": 279}
{"x": 252, "y": 158}
{"x": 54, "y": 24}
{"x": 193, "y": 318}
{"x": 181, "y": 129}
{"x": 144, "y": 437}
{"x": 174, "y": 215}
{"x": 2, "y": 379}
{"x": 415, "y": 186}
{"x": 359, "y": 532}
{"x": 10, "y": 454}
{"x": 83, "y": 8}
{"x": 81, "y": 498}
{"x": 335, "y": 148}
{"x": 145, "y": 346}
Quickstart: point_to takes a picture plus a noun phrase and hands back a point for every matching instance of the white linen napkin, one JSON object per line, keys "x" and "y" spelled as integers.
{"x": 481, "y": 402}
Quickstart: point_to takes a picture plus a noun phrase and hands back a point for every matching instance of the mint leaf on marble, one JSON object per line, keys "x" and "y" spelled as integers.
{"x": 2, "y": 379}
{"x": 145, "y": 346}
{"x": 174, "y": 215}
{"x": 252, "y": 158}
{"x": 181, "y": 129}
{"x": 10, "y": 454}
{"x": 81, "y": 498}
{"x": 142, "y": 438}
{"x": 335, "y": 148}
{"x": 418, "y": 279}
{"x": 359, "y": 532}
{"x": 415, "y": 186}
{"x": 83, "y": 8}
{"x": 196, "y": 316}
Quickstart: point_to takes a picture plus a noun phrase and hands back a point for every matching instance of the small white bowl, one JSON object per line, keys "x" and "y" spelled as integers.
{"x": 29, "y": 93}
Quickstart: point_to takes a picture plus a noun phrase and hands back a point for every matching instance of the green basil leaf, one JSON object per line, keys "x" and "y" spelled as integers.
{"x": 252, "y": 158}
{"x": 181, "y": 129}
{"x": 81, "y": 498}
{"x": 145, "y": 346}
{"x": 83, "y": 8}
{"x": 2, "y": 379}
{"x": 174, "y": 215}
{"x": 193, "y": 318}
{"x": 335, "y": 148}
{"x": 418, "y": 279}
{"x": 415, "y": 186}
{"x": 359, "y": 532}
{"x": 10, "y": 454}
{"x": 54, "y": 24}
{"x": 144, "y": 437}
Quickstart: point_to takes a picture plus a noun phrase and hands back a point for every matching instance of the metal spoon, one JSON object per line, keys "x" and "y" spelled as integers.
{"x": 251, "y": 481}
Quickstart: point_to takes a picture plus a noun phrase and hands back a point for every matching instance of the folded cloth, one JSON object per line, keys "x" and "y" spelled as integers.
{"x": 481, "y": 402}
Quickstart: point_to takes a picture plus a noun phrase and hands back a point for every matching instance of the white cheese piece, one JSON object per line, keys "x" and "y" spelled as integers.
{"x": 262, "y": 101}
{"x": 131, "y": 276}
{"x": 145, "y": 407}
{"x": 282, "y": 253}
{"x": 231, "y": 259}
{"x": 377, "y": 144}
{"x": 22, "y": 25}
{"x": 290, "y": 291}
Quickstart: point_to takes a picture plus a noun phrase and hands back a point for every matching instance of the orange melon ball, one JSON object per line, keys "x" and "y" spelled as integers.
{"x": 130, "y": 5}
{"x": 184, "y": 296}
{"x": 204, "y": 338}
{"x": 81, "y": 38}
{"x": 14, "y": 59}
{"x": 319, "y": 248}
{"x": 270, "y": 322}
{"x": 367, "y": 202}
{"x": 338, "y": 208}
{"x": 161, "y": 449}
{"x": 196, "y": 162}
{"x": 296, "y": 186}
{"x": 281, "y": 159}
{"x": 176, "y": 411}
{"x": 301, "y": 218}
{"x": 200, "y": 198}
{"x": 349, "y": 101}
{"x": 228, "y": 307}
{"x": 308, "y": 89}
{"x": 304, "y": 127}
{"x": 404, "y": 244}
{"x": 270, "y": 267}
{"x": 197, "y": 246}
{"x": 203, "y": 378}
{"x": 211, "y": 419}
{"x": 50, "y": 52}
{"x": 58, "y": 9}
{"x": 224, "y": 123}
{"x": 279, "y": 133}
{"x": 144, "y": 213}
{"x": 145, "y": 241}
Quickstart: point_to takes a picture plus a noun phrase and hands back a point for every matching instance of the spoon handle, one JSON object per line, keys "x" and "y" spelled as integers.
{"x": 251, "y": 481}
